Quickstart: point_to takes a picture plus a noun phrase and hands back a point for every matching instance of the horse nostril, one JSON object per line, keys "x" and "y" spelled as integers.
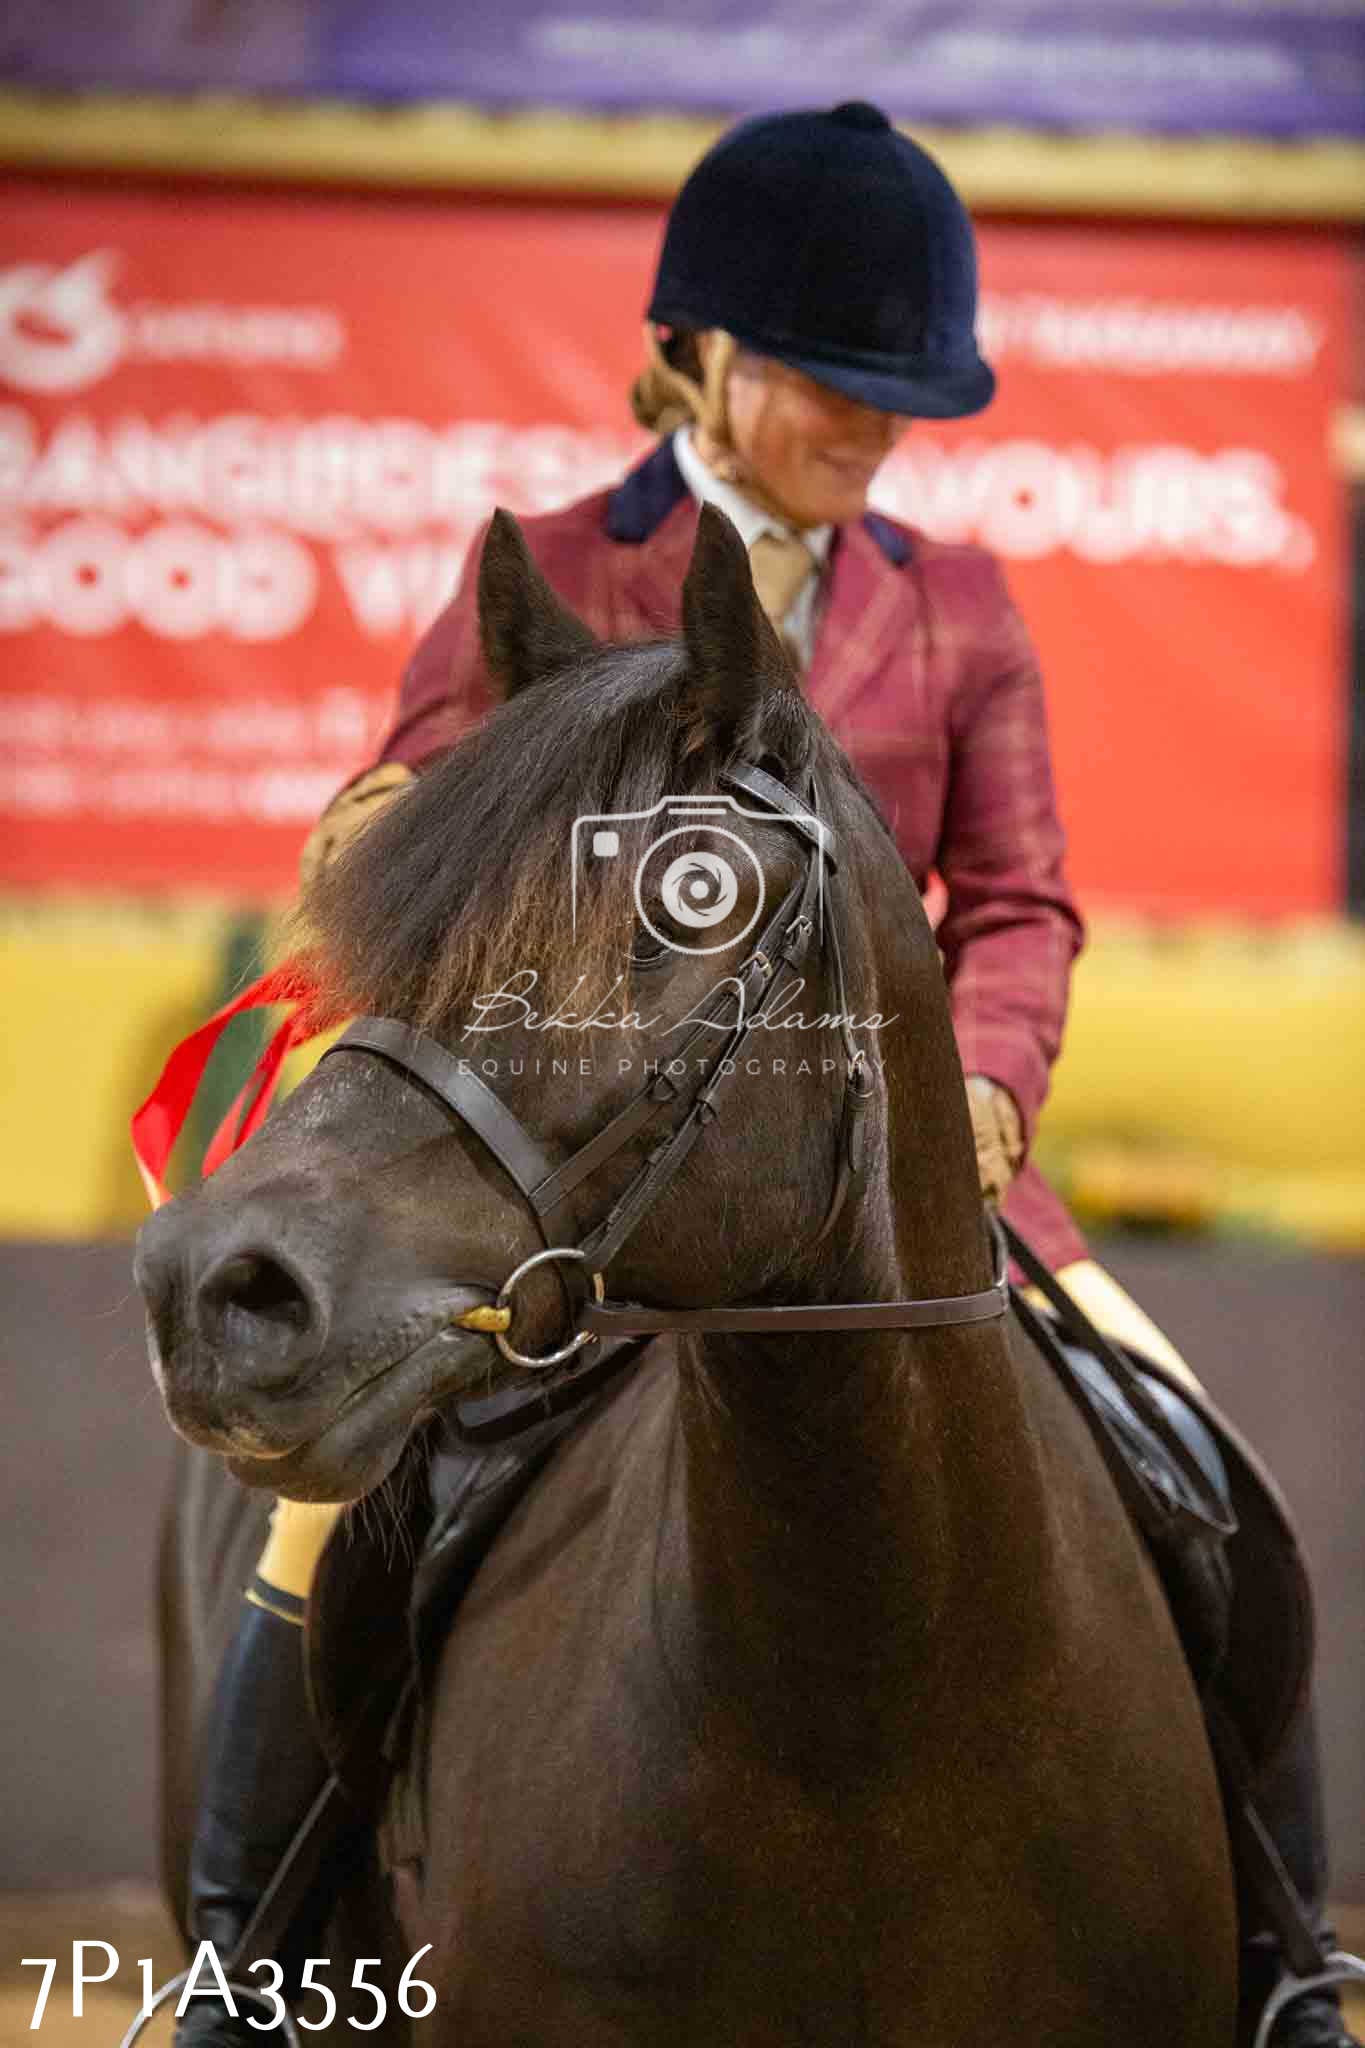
{"x": 253, "y": 1310}
{"x": 257, "y": 1285}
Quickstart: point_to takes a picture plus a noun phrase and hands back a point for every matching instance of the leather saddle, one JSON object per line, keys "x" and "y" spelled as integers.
{"x": 1247, "y": 1624}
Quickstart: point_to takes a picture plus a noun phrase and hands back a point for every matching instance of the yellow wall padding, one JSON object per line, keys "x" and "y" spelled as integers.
{"x": 1209, "y": 1074}
{"x": 93, "y": 996}
{"x": 445, "y": 144}
{"x": 1217, "y": 1075}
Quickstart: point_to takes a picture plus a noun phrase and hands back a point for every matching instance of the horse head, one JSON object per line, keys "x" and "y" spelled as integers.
{"x": 565, "y": 919}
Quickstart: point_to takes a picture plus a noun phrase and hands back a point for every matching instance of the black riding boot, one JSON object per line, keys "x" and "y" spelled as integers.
{"x": 1289, "y": 1801}
{"x": 262, "y": 1771}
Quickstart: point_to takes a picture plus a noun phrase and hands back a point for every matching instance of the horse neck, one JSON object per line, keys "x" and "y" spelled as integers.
{"x": 858, "y": 1512}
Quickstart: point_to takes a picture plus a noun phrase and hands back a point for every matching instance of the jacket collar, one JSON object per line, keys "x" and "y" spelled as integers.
{"x": 869, "y": 617}
{"x": 869, "y": 611}
{"x": 644, "y": 498}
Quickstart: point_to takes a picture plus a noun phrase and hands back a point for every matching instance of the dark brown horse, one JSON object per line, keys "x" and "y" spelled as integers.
{"x": 820, "y": 1691}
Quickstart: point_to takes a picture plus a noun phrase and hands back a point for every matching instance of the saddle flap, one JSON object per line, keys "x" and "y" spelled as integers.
{"x": 1258, "y": 1677}
{"x": 1262, "y": 1684}
{"x": 1262, "y": 1629}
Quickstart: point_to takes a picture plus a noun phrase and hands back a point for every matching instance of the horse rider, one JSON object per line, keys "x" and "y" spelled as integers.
{"x": 816, "y": 293}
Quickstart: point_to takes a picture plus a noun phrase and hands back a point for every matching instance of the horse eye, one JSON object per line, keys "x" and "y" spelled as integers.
{"x": 647, "y": 949}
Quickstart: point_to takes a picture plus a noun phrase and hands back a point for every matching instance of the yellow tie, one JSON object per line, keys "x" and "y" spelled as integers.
{"x": 780, "y": 564}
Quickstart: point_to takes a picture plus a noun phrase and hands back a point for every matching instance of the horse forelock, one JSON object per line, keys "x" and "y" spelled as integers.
{"x": 476, "y": 873}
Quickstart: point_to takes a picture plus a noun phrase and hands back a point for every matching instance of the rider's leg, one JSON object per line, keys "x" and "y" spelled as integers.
{"x": 262, "y": 1767}
{"x": 1114, "y": 1312}
{"x": 1290, "y": 1799}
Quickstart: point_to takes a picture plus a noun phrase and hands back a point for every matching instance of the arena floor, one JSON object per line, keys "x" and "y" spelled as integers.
{"x": 132, "y": 1919}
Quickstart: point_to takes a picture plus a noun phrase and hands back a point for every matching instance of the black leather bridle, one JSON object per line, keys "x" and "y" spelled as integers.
{"x": 783, "y": 941}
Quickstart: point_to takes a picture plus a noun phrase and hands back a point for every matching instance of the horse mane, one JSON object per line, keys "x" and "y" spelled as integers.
{"x": 465, "y": 879}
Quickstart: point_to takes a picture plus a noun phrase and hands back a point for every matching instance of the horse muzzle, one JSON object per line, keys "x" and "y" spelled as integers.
{"x": 256, "y": 1359}
{"x": 256, "y": 1314}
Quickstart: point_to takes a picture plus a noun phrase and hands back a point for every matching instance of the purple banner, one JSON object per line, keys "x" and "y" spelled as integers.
{"x": 1245, "y": 67}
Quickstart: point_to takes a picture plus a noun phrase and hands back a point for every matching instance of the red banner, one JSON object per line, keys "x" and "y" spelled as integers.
{"x": 245, "y": 440}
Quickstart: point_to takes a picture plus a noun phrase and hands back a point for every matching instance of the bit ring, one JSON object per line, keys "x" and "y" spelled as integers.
{"x": 580, "y": 1337}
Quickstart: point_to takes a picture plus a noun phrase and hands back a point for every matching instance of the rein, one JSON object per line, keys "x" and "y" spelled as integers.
{"x": 784, "y": 940}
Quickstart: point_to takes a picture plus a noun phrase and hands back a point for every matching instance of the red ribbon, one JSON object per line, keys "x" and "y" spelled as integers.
{"x": 158, "y": 1123}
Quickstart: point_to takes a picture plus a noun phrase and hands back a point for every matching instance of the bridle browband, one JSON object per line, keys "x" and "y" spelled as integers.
{"x": 783, "y": 941}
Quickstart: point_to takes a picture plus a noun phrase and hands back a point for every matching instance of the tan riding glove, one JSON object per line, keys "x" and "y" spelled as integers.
{"x": 999, "y": 1132}
{"x": 346, "y": 814}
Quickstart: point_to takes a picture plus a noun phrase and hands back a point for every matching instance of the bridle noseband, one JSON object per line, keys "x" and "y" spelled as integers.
{"x": 783, "y": 941}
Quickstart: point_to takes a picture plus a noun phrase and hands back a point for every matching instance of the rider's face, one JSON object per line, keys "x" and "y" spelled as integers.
{"x": 812, "y": 452}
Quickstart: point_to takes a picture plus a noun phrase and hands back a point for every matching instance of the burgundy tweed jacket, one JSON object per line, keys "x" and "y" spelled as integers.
{"x": 924, "y": 672}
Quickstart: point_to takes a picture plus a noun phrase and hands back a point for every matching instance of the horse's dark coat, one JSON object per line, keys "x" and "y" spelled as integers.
{"x": 852, "y": 1712}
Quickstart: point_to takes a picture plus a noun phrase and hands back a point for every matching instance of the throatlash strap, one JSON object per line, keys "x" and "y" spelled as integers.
{"x": 158, "y": 1123}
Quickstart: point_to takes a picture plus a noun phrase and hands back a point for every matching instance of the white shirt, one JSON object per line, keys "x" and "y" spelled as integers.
{"x": 751, "y": 521}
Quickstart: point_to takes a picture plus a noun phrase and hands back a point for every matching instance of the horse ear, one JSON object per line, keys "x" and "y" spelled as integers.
{"x": 735, "y": 657}
{"x": 526, "y": 632}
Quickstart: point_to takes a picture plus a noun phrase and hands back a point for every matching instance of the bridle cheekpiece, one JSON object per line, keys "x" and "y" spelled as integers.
{"x": 784, "y": 940}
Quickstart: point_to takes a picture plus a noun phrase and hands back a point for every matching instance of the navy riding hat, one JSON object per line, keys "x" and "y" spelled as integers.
{"x": 838, "y": 246}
